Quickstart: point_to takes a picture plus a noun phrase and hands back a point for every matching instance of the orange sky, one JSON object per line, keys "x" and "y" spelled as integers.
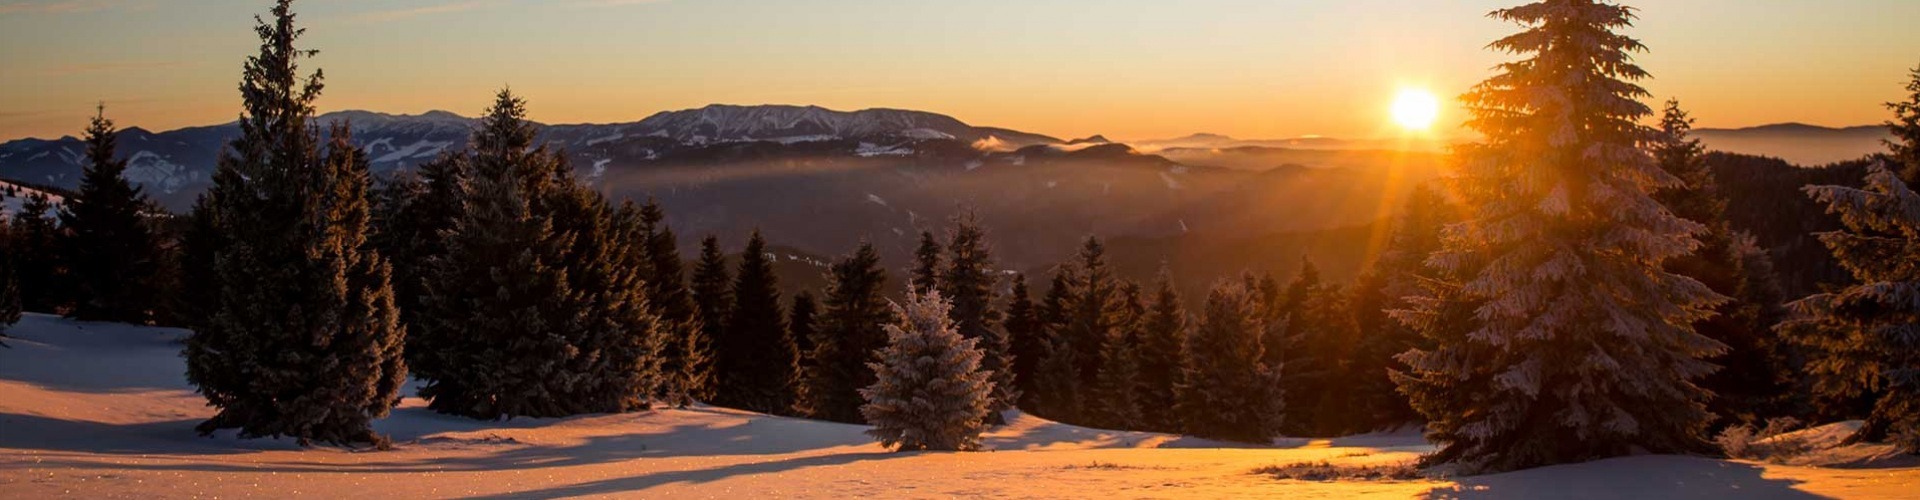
{"x": 1125, "y": 68}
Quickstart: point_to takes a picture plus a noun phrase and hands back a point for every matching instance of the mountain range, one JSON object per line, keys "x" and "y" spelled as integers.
{"x": 818, "y": 180}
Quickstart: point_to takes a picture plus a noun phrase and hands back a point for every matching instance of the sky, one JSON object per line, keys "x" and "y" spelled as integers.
{"x": 1132, "y": 69}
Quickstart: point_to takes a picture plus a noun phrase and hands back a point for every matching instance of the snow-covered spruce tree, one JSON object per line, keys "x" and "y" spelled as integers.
{"x": 1864, "y": 339}
{"x": 301, "y": 337}
{"x": 970, "y": 283}
{"x": 113, "y": 256}
{"x": 851, "y": 328}
{"x": 1312, "y": 350}
{"x": 929, "y": 391}
{"x": 755, "y": 357}
{"x": 1026, "y": 340}
{"x": 536, "y": 309}
{"x": 712, "y": 292}
{"x": 1585, "y": 347}
{"x": 686, "y": 355}
{"x": 1905, "y": 144}
{"x": 1116, "y": 384}
{"x": 1225, "y": 390}
{"x": 925, "y": 275}
{"x": 1753, "y": 379}
{"x": 1163, "y": 331}
{"x": 36, "y": 251}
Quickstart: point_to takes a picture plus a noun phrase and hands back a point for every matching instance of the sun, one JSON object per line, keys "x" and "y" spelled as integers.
{"x": 1415, "y": 109}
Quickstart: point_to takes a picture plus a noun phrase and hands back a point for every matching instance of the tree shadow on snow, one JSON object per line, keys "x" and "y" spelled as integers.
{"x": 169, "y": 437}
{"x": 642, "y": 482}
{"x": 1648, "y": 477}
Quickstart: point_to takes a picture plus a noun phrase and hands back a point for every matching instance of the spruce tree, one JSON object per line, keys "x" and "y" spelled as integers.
{"x": 851, "y": 329}
{"x": 1225, "y": 390}
{"x": 1862, "y": 339}
{"x": 712, "y": 293}
{"x": 970, "y": 284}
{"x": 1752, "y": 379}
{"x": 1585, "y": 347}
{"x": 302, "y": 337}
{"x": 1905, "y": 126}
{"x": 537, "y": 308}
{"x": 926, "y": 264}
{"x": 113, "y": 256}
{"x": 1163, "y": 332}
{"x": 1095, "y": 316}
{"x": 1026, "y": 340}
{"x": 686, "y": 356}
{"x": 1056, "y": 379}
{"x": 929, "y": 390}
{"x": 36, "y": 252}
{"x": 1116, "y": 385}
{"x": 755, "y": 357}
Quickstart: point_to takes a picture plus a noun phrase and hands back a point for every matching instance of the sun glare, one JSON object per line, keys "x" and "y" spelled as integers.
{"x": 1416, "y": 109}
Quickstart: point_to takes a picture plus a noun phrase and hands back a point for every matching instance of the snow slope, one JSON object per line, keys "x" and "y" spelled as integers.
{"x": 100, "y": 410}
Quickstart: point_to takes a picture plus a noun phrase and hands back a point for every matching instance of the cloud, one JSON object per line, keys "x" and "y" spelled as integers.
{"x": 67, "y": 6}
{"x": 382, "y": 16}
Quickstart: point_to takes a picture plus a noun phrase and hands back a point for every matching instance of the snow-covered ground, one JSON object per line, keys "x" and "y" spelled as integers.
{"x": 100, "y": 410}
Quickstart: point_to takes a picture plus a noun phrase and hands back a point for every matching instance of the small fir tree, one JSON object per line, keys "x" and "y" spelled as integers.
{"x": 36, "y": 251}
{"x": 929, "y": 392}
{"x": 926, "y": 264}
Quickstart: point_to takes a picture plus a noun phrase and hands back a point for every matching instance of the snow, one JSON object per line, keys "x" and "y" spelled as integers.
{"x": 417, "y": 149}
{"x": 10, "y": 205}
{"x": 876, "y": 199}
{"x": 600, "y": 167}
{"x": 606, "y": 139}
{"x": 870, "y": 150}
{"x": 101, "y": 410}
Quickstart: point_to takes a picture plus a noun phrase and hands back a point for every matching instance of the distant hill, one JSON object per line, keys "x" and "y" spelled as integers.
{"x": 1798, "y": 143}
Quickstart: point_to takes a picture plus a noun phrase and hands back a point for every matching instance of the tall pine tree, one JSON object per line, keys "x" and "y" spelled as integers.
{"x": 1585, "y": 347}
{"x": 302, "y": 338}
{"x": 970, "y": 283}
{"x": 1056, "y": 380}
{"x": 712, "y": 292}
{"x": 113, "y": 256}
{"x": 686, "y": 355}
{"x": 755, "y": 357}
{"x": 850, "y": 329}
{"x": 1163, "y": 332}
{"x": 9, "y": 284}
{"x": 1026, "y": 340}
